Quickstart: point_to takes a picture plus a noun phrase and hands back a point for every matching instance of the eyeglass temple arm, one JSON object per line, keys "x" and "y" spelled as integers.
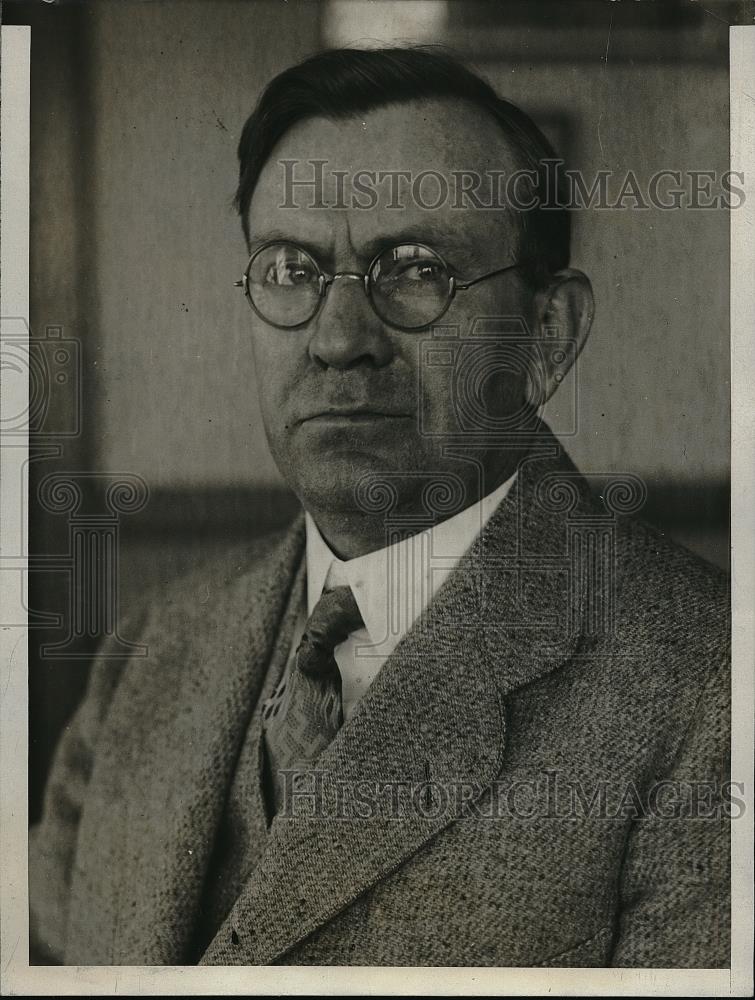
{"x": 490, "y": 274}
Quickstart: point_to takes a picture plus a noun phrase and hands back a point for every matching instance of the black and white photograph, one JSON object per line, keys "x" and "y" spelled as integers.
{"x": 370, "y": 546}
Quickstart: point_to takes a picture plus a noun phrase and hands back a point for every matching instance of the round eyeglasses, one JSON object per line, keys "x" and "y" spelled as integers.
{"x": 409, "y": 286}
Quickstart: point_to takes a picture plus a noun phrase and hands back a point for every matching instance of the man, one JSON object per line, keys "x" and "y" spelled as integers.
{"x": 461, "y": 712}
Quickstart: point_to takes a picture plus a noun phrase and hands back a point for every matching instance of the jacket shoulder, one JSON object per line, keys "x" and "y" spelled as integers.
{"x": 663, "y": 583}
{"x": 668, "y": 649}
{"x": 197, "y": 603}
{"x": 217, "y": 581}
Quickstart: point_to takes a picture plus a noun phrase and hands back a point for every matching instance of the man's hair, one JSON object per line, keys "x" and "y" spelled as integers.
{"x": 339, "y": 83}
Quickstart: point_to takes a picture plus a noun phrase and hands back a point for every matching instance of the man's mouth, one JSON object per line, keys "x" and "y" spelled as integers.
{"x": 354, "y": 415}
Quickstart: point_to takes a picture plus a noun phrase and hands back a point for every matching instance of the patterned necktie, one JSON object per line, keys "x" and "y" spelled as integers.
{"x": 305, "y": 711}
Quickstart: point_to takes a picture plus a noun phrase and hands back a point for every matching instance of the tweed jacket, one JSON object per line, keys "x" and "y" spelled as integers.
{"x": 537, "y": 776}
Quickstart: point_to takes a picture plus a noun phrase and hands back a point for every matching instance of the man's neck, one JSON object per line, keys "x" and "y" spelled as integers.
{"x": 350, "y": 533}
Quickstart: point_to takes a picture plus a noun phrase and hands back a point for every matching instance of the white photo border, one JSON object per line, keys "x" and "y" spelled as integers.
{"x": 20, "y": 979}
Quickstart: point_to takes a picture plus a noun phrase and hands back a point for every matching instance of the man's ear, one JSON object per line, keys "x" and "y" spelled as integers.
{"x": 563, "y": 315}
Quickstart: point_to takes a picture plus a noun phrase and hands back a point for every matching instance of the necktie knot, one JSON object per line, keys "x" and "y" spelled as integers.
{"x": 333, "y": 619}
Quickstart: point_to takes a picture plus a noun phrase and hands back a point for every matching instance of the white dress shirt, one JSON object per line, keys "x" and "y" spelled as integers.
{"x": 392, "y": 586}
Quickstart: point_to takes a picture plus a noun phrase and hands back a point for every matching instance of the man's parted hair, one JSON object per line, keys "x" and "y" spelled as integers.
{"x": 339, "y": 83}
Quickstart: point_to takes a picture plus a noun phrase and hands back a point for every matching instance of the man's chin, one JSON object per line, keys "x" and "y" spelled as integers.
{"x": 351, "y": 482}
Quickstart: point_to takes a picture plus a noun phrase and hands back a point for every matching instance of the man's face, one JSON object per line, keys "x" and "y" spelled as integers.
{"x": 347, "y": 394}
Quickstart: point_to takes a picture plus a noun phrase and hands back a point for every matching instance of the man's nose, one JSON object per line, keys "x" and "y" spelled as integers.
{"x": 347, "y": 332}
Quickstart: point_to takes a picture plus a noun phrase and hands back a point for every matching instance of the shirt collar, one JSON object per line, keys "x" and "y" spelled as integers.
{"x": 393, "y": 585}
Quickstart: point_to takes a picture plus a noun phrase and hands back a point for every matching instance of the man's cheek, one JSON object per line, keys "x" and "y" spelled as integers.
{"x": 506, "y": 395}
{"x": 436, "y": 412}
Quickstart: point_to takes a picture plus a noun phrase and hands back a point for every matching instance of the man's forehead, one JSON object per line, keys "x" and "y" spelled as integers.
{"x": 457, "y": 133}
{"x": 403, "y": 168}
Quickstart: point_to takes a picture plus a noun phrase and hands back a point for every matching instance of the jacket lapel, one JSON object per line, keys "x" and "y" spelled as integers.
{"x": 507, "y": 615}
{"x": 167, "y": 756}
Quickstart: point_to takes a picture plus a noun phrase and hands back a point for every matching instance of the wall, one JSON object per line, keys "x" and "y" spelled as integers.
{"x": 174, "y": 83}
{"x": 654, "y": 378}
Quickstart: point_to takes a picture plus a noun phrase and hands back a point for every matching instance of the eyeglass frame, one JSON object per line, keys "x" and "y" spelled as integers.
{"x": 325, "y": 280}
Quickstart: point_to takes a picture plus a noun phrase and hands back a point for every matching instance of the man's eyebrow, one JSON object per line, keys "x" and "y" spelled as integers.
{"x": 279, "y": 236}
{"x": 458, "y": 252}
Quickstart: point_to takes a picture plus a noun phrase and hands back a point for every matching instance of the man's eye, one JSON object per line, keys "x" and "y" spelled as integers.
{"x": 288, "y": 274}
{"x": 428, "y": 272}
{"x": 419, "y": 272}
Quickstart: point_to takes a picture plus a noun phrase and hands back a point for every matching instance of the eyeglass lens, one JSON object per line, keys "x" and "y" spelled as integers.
{"x": 284, "y": 284}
